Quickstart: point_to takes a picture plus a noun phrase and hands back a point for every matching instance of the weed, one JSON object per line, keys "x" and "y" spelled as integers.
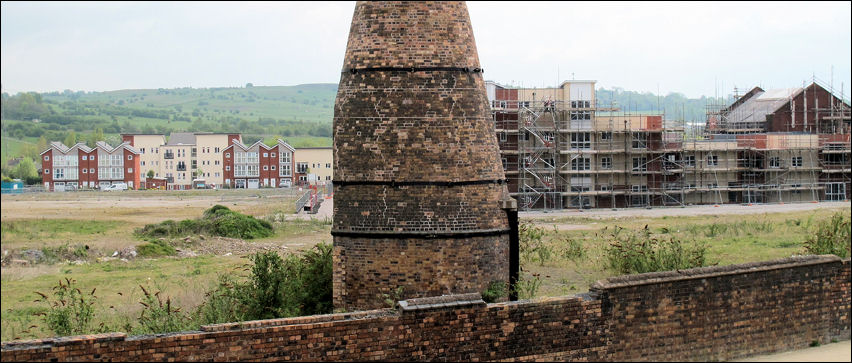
{"x": 160, "y": 316}
{"x": 396, "y": 295}
{"x": 527, "y": 287}
{"x": 639, "y": 252}
{"x": 70, "y": 310}
{"x": 831, "y": 237}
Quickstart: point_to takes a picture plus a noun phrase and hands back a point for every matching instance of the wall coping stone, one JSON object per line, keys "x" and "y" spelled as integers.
{"x": 299, "y": 320}
{"x": 711, "y": 271}
{"x": 437, "y": 302}
{"x": 63, "y": 341}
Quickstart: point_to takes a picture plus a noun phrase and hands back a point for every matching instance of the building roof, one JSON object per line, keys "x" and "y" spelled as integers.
{"x": 181, "y": 138}
{"x": 763, "y": 103}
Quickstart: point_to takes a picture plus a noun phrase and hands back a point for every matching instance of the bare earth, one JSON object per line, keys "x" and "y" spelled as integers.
{"x": 834, "y": 352}
{"x": 685, "y": 211}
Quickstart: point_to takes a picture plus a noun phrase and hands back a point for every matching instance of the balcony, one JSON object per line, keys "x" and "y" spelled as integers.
{"x": 181, "y": 168}
{"x": 169, "y": 156}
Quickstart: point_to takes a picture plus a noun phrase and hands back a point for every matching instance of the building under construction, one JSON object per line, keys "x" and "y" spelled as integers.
{"x": 561, "y": 148}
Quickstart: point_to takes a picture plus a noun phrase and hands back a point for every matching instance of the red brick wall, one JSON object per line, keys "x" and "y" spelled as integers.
{"x": 131, "y": 176}
{"x": 47, "y": 177}
{"x": 228, "y": 163}
{"x": 714, "y": 313}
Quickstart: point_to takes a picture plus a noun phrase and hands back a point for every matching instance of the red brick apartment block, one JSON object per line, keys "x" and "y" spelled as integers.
{"x": 82, "y": 167}
{"x": 258, "y": 165}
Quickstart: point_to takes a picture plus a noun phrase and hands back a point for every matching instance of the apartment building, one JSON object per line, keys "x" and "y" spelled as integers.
{"x": 82, "y": 167}
{"x": 258, "y": 165}
{"x": 314, "y": 165}
{"x": 184, "y": 157}
{"x": 563, "y": 149}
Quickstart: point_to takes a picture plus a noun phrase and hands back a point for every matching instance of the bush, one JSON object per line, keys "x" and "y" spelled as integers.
{"x": 155, "y": 248}
{"x": 640, "y": 252}
{"x": 495, "y": 291}
{"x": 527, "y": 287}
{"x": 70, "y": 310}
{"x": 276, "y": 287}
{"x": 217, "y": 221}
{"x": 831, "y": 237}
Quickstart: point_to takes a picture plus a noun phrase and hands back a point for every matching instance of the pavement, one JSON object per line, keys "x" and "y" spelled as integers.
{"x": 834, "y": 352}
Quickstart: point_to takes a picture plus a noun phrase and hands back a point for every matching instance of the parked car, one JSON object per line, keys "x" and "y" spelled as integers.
{"x": 284, "y": 183}
{"x": 116, "y": 186}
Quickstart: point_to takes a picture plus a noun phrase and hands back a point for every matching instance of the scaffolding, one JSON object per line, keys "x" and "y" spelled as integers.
{"x": 582, "y": 155}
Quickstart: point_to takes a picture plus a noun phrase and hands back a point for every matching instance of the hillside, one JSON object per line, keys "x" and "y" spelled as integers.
{"x": 300, "y": 114}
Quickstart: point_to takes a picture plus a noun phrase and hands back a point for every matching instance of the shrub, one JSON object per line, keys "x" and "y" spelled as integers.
{"x": 831, "y": 237}
{"x": 70, "y": 310}
{"x": 217, "y": 221}
{"x": 640, "y": 252}
{"x": 531, "y": 244}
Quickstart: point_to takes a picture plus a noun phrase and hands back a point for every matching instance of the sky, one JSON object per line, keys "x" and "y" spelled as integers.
{"x": 697, "y": 48}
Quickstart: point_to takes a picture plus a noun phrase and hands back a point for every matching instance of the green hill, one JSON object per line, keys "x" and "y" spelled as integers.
{"x": 302, "y": 113}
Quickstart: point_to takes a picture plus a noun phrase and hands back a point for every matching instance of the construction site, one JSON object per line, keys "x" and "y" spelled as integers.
{"x": 562, "y": 148}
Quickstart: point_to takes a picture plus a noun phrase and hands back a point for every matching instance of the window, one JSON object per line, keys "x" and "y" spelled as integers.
{"x": 774, "y": 162}
{"x": 58, "y": 173}
{"x": 46, "y": 158}
{"x": 227, "y": 155}
{"x": 216, "y": 149}
{"x": 130, "y": 170}
{"x": 606, "y": 162}
{"x": 639, "y": 140}
{"x": 85, "y": 157}
{"x": 129, "y": 157}
{"x": 797, "y": 161}
{"x": 142, "y": 163}
{"x": 272, "y": 167}
{"x": 91, "y": 170}
{"x": 689, "y": 160}
{"x": 581, "y": 140}
{"x": 606, "y": 136}
{"x": 712, "y": 160}
{"x": 266, "y": 155}
{"x": 640, "y": 164}
{"x": 328, "y": 165}
{"x": 581, "y": 164}
{"x": 84, "y": 171}
{"x": 47, "y": 171}
{"x": 503, "y": 137}
{"x": 273, "y": 155}
{"x": 301, "y": 168}
{"x": 227, "y": 168}
{"x": 265, "y": 167}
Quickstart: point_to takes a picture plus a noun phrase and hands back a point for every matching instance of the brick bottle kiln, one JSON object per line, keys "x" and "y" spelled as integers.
{"x": 418, "y": 183}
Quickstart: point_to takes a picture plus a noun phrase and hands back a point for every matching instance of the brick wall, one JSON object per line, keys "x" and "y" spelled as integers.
{"x": 714, "y": 313}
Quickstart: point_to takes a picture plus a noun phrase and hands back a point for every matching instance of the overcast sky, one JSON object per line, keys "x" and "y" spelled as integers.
{"x": 692, "y": 48}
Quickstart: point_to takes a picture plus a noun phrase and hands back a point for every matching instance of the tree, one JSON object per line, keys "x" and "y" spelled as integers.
{"x": 249, "y": 85}
{"x": 150, "y": 174}
{"x": 26, "y": 170}
{"x": 94, "y": 137}
{"x": 70, "y": 139}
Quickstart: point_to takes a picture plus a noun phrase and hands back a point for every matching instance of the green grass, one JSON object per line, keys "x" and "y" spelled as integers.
{"x": 184, "y": 280}
{"x": 36, "y": 230}
{"x": 12, "y": 147}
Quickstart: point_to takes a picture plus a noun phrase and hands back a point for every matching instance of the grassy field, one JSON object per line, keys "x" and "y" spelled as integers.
{"x": 571, "y": 257}
{"x": 730, "y": 239}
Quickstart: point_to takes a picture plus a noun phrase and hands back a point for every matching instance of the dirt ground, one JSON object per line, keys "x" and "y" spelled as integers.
{"x": 834, "y": 352}
{"x": 685, "y": 211}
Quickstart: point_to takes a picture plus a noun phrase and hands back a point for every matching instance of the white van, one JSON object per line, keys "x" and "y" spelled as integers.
{"x": 116, "y": 186}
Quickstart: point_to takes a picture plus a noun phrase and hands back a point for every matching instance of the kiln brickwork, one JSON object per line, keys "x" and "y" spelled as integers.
{"x": 715, "y": 313}
{"x": 417, "y": 174}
